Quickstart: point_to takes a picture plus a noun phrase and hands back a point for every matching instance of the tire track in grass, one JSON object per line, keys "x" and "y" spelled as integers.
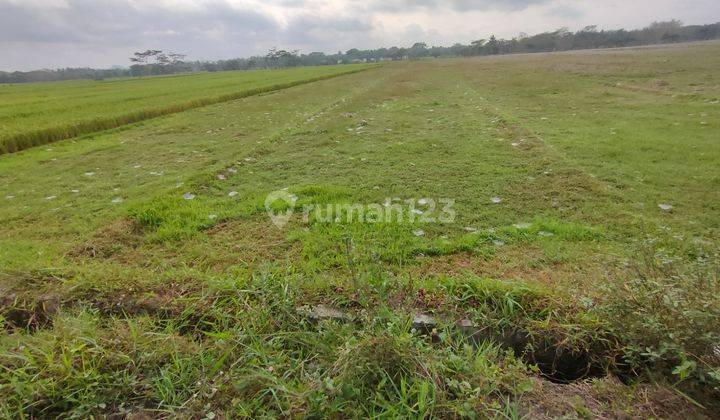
{"x": 205, "y": 183}
{"x": 120, "y": 153}
{"x": 555, "y": 167}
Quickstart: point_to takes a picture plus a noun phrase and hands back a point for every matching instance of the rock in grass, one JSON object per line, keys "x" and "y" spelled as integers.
{"x": 498, "y": 242}
{"x": 496, "y": 200}
{"x": 474, "y": 332}
{"x": 419, "y": 232}
{"x": 189, "y": 196}
{"x": 322, "y": 313}
{"x": 465, "y": 323}
{"x": 665, "y": 207}
{"x": 232, "y": 193}
{"x": 117, "y": 200}
{"x": 424, "y": 323}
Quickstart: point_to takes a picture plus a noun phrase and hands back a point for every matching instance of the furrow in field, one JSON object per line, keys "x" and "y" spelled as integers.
{"x": 625, "y": 141}
{"x": 24, "y": 140}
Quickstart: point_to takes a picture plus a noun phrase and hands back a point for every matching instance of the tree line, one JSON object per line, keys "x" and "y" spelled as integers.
{"x": 157, "y": 62}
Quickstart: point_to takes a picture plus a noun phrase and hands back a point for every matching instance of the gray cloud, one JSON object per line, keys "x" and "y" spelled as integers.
{"x": 400, "y": 6}
{"x": 567, "y": 11}
{"x": 312, "y": 32}
{"x": 57, "y": 33}
{"x": 91, "y": 21}
{"x": 342, "y": 24}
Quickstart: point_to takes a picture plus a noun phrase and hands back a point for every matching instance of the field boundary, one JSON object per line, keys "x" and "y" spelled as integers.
{"x": 23, "y": 141}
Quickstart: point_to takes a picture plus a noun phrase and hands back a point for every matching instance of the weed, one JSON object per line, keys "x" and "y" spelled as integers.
{"x": 666, "y": 316}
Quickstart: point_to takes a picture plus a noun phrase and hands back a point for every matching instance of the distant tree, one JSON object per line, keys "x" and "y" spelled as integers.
{"x": 145, "y": 56}
{"x": 353, "y": 55}
{"x": 282, "y": 58}
{"x": 493, "y": 46}
{"x": 661, "y": 32}
{"x": 176, "y": 58}
{"x": 394, "y": 53}
{"x": 476, "y": 47}
{"x": 669, "y": 25}
{"x": 419, "y": 49}
{"x": 706, "y": 32}
{"x": 142, "y": 66}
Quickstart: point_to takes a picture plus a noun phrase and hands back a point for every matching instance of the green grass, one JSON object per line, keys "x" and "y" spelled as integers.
{"x": 120, "y": 296}
{"x": 36, "y": 114}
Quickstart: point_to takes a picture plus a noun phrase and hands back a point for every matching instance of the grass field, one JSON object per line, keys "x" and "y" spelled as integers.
{"x": 40, "y": 113}
{"x": 141, "y": 276}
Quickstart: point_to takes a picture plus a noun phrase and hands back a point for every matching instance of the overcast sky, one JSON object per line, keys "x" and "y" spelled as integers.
{"x": 101, "y": 33}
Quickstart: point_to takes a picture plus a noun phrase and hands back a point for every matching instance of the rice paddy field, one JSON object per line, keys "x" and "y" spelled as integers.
{"x": 557, "y": 254}
{"x": 39, "y": 113}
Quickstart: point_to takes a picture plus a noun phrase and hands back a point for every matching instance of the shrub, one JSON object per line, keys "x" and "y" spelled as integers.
{"x": 666, "y": 317}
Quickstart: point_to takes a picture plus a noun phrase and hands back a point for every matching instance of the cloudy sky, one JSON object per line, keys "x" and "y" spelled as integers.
{"x": 101, "y": 33}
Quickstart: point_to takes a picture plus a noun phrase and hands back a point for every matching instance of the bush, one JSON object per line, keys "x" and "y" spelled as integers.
{"x": 666, "y": 317}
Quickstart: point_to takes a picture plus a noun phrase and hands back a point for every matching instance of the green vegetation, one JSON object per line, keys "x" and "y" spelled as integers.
{"x": 140, "y": 275}
{"x": 31, "y": 115}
